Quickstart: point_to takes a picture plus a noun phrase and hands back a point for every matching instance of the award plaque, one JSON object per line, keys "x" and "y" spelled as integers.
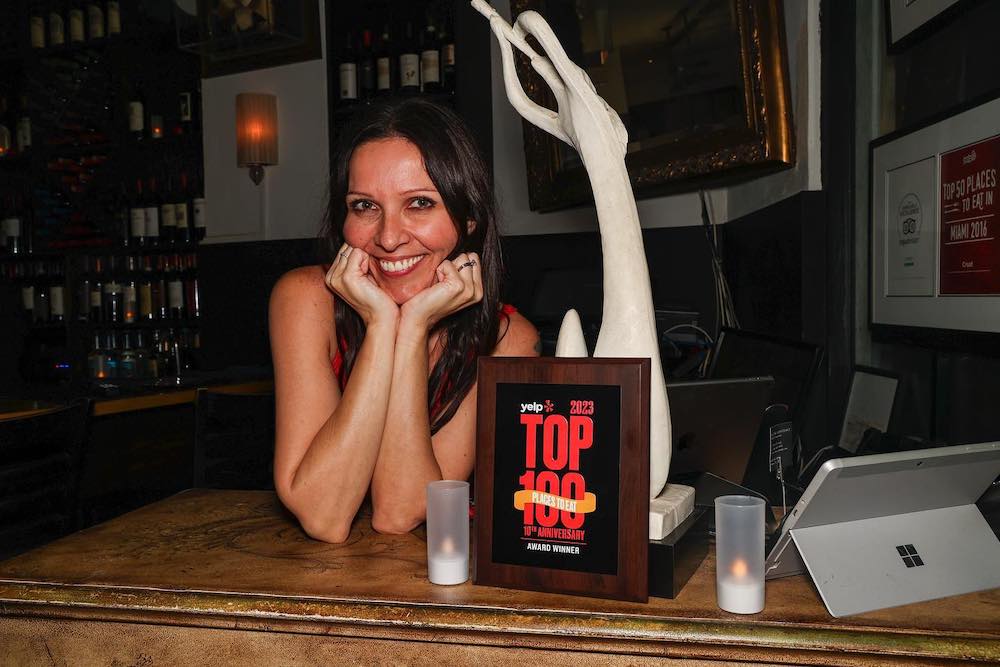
{"x": 562, "y": 475}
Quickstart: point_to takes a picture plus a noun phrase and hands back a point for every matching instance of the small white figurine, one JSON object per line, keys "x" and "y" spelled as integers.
{"x": 586, "y": 122}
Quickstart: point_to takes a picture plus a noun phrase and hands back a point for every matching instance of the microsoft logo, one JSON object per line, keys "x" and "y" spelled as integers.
{"x": 909, "y": 555}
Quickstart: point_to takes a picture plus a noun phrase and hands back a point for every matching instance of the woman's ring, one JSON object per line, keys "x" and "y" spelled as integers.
{"x": 471, "y": 262}
{"x": 343, "y": 254}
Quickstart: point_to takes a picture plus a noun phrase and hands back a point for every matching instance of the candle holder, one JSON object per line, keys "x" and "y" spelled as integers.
{"x": 739, "y": 554}
{"x": 448, "y": 532}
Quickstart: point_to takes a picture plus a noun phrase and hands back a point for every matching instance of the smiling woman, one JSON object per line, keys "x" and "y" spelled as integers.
{"x": 375, "y": 355}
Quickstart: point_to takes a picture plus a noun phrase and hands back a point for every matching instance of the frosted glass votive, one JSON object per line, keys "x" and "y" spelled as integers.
{"x": 448, "y": 532}
{"x": 739, "y": 554}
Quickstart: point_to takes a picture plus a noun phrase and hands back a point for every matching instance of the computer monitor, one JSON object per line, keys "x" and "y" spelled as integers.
{"x": 714, "y": 424}
{"x": 792, "y": 364}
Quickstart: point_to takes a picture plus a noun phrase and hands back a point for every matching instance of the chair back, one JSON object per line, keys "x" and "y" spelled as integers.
{"x": 234, "y": 440}
{"x": 40, "y": 464}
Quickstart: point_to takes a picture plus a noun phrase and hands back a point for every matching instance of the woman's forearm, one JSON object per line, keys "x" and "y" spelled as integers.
{"x": 332, "y": 478}
{"x": 406, "y": 461}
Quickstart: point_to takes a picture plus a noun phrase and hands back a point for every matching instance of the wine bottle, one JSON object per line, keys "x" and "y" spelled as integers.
{"x": 130, "y": 290}
{"x": 96, "y": 359}
{"x": 168, "y": 217}
{"x": 348, "y": 70}
{"x": 145, "y": 287}
{"x": 95, "y": 19}
{"x": 57, "y": 293}
{"x": 385, "y": 64}
{"x": 113, "y": 298}
{"x": 28, "y": 293}
{"x": 366, "y": 66}
{"x": 23, "y": 124}
{"x": 159, "y": 290}
{"x": 192, "y": 297}
{"x": 36, "y": 23}
{"x": 447, "y": 59}
{"x": 430, "y": 59}
{"x": 409, "y": 63}
{"x": 41, "y": 292}
{"x": 97, "y": 291}
{"x": 137, "y": 216}
{"x": 57, "y": 26}
{"x": 152, "y": 214}
{"x": 185, "y": 113}
{"x": 175, "y": 287}
{"x": 181, "y": 212}
{"x": 199, "y": 209}
{"x": 113, "y": 12}
{"x": 137, "y": 113}
{"x": 74, "y": 16}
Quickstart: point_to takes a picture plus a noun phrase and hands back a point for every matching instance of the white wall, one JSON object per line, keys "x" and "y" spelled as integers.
{"x": 289, "y": 202}
{"x": 803, "y": 38}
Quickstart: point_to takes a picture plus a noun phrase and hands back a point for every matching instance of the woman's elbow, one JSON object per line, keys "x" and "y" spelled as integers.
{"x": 325, "y": 529}
{"x": 393, "y": 523}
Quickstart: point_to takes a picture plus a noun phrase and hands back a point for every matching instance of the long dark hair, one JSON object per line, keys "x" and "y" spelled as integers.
{"x": 457, "y": 169}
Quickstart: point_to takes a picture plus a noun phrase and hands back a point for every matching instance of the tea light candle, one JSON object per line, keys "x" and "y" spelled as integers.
{"x": 448, "y": 532}
{"x": 739, "y": 593}
{"x": 447, "y": 566}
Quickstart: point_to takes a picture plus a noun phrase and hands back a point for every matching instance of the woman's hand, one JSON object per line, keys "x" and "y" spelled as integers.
{"x": 459, "y": 285}
{"x": 350, "y": 279}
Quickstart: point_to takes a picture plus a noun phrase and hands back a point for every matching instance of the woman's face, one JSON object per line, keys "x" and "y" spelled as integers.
{"x": 395, "y": 214}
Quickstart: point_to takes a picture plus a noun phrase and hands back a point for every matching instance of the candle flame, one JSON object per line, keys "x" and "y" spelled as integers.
{"x": 740, "y": 568}
{"x": 448, "y": 546}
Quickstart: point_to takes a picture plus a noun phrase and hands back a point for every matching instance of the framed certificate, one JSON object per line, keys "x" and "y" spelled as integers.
{"x": 562, "y": 476}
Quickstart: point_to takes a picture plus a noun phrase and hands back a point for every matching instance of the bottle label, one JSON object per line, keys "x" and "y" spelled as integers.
{"x": 430, "y": 67}
{"x": 152, "y": 221}
{"x": 200, "y": 213}
{"x": 57, "y": 301}
{"x": 348, "y": 81}
{"x": 136, "y": 116}
{"x": 28, "y": 297}
{"x": 168, "y": 217}
{"x": 95, "y": 297}
{"x": 181, "y": 215}
{"x": 409, "y": 70}
{"x": 175, "y": 294}
{"x": 95, "y": 20}
{"x": 114, "y": 18}
{"x": 185, "y": 107}
{"x": 382, "y": 70}
{"x": 137, "y": 222}
{"x": 12, "y": 228}
{"x": 23, "y": 133}
{"x": 448, "y": 53}
{"x": 57, "y": 35}
{"x": 37, "y": 32}
{"x": 76, "y": 25}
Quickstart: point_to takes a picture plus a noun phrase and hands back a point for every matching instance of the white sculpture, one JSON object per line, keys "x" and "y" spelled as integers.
{"x": 586, "y": 122}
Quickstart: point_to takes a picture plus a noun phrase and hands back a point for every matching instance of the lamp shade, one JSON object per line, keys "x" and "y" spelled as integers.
{"x": 256, "y": 129}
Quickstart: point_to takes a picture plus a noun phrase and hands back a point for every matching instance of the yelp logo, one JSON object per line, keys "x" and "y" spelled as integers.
{"x": 538, "y": 408}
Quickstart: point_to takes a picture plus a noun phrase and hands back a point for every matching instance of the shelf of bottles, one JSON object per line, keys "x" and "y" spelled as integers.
{"x": 101, "y": 181}
{"x": 396, "y": 49}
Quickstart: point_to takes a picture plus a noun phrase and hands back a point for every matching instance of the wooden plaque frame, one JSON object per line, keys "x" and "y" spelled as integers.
{"x": 631, "y": 377}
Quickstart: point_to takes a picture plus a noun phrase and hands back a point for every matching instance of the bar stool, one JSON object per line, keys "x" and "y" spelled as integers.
{"x": 40, "y": 464}
{"x": 234, "y": 440}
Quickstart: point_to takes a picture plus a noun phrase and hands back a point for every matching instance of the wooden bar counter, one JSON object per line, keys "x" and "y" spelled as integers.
{"x": 221, "y": 577}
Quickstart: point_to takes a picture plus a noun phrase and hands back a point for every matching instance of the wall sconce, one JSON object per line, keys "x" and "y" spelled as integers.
{"x": 256, "y": 132}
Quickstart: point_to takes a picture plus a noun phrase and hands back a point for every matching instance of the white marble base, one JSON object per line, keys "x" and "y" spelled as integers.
{"x": 669, "y": 509}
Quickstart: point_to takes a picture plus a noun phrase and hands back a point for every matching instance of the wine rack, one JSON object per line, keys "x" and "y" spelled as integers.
{"x": 68, "y": 175}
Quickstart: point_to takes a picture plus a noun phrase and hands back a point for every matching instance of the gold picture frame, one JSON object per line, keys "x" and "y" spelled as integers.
{"x": 756, "y": 137}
